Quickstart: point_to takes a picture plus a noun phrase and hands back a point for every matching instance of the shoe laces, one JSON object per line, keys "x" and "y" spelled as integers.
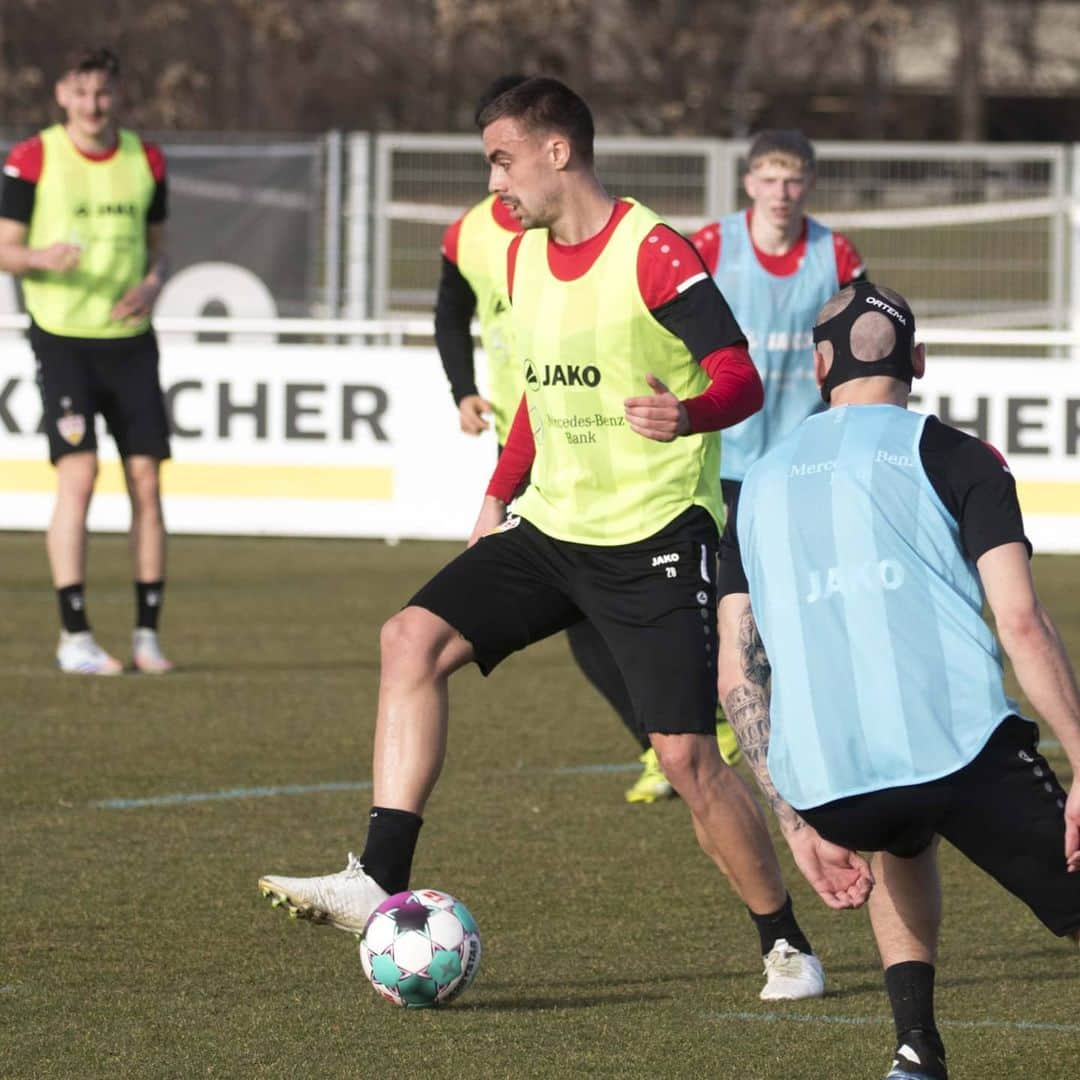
{"x": 354, "y": 865}
{"x": 783, "y": 959}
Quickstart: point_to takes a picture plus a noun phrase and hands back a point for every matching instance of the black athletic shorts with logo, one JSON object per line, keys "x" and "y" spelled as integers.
{"x": 1004, "y": 811}
{"x": 653, "y": 602}
{"x": 730, "y": 575}
{"x": 117, "y": 377}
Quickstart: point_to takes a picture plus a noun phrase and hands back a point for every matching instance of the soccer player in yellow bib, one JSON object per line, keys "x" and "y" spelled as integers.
{"x": 632, "y": 362}
{"x": 82, "y": 220}
{"x": 472, "y": 282}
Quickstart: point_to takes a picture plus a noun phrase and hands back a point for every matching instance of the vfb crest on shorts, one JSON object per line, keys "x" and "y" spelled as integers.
{"x": 72, "y": 426}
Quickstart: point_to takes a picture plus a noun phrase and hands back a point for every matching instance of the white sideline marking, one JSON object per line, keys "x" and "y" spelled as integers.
{"x": 227, "y": 794}
{"x": 868, "y": 1021}
{"x": 231, "y": 793}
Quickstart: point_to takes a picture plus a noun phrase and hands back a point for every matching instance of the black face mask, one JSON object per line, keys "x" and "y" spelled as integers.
{"x": 837, "y": 331}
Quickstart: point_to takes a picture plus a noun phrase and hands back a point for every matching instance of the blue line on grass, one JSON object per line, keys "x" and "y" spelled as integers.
{"x": 227, "y": 794}
{"x": 862, "y": 1021}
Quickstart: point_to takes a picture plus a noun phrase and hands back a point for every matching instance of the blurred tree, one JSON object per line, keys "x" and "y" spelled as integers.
{"x": 648, "y": 66}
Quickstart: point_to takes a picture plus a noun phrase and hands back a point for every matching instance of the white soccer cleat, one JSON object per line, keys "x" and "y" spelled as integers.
{"x": 146, "y": 654}
{"x": 344, "y": 900}
{"x": 791, "y": 975}
{"x": 80, "y": 654}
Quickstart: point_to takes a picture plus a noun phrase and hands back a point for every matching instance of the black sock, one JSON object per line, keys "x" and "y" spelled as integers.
{"x": 73, "y": 608}
{"x": 780, "y": 924}
{"x": 388, "y": 852}
{"x": 148, "y": 598}
{"x": 910, "y": 986}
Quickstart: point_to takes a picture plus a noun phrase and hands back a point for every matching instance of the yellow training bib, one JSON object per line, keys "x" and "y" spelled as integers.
{"x": 585, "y": 346}
{"x": 102, "y": 206}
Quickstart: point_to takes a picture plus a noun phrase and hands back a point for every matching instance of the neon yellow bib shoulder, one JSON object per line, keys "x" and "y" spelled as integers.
{"x": 586, "y": 345}
{"x": 102, "y": 206}
{"x": 482, "y": 247}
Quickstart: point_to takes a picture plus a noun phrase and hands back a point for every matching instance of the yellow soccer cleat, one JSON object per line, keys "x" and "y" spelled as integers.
{"x": 652, "y": 785}
{"x": 726, "y": 740}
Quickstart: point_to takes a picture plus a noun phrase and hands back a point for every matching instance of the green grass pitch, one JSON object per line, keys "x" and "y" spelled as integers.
{"x": 135, "y": 943}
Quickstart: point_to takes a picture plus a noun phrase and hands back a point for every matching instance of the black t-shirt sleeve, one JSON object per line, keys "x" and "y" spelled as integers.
{"x": 976, "y": 486}
{"x": 17, "y": 199}
{"x": 159, "y": 204}
{"x": 455, "y": 304}
{"x": 701, "y": 319}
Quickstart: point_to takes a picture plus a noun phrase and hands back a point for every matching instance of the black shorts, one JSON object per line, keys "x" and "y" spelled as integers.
{"x": 653, "y": 602}
{"x": 731, "y": 577}
{"x": 117, "y": 377}
{"x": 1004, "y": 811}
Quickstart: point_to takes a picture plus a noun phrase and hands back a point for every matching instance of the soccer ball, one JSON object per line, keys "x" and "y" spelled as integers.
{"x": 420, "y": 948}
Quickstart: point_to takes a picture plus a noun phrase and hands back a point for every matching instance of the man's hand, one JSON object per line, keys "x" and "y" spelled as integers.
{"x": 473, "y": 411}
{"x": 660, "y": 416}
{"x": 137, "y": 303}
{"x": 59, "y": 258}
{"x": 492, "y": 515}
{"x": 841, "y": 877}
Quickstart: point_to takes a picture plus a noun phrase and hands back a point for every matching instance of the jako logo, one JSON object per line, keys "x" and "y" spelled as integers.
{"x": 663, "y": 560}
{"x": 873, "y": 301}
{"x": 562, "y": 375}
{"x": 887, "y": 574}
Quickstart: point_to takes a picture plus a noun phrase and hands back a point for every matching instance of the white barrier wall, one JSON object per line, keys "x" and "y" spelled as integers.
{"x": 1030, "y": 411}
{"x": 344, "y": 441}
{"x": 284, "y": 440}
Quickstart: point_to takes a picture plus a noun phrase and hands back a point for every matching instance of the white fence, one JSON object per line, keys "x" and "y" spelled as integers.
{"x": 973, "y": 235}
{"x": 349, "y": 225}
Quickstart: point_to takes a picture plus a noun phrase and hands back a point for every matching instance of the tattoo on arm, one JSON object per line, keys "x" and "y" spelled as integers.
{"x": 747, "y": 710}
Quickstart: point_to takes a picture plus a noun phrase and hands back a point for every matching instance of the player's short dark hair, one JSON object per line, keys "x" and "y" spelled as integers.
{"x": 495, "y": 89}
{"x": 545, "y": 104}
{"x": 87, "y": 58}
{"x": 784, "y": 143}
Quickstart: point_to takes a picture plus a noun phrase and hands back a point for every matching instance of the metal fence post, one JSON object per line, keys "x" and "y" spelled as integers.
{"x": 332, "y": 226}
{"x": 357, "y": 226}
{"x": 1070, "y": 220}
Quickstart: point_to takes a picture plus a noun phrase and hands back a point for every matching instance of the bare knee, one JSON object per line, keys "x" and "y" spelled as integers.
{"x": 686, "y": 759}
{"x": 76, "y": 476}
{"x": 416, "y": 644}
{"x": 143, "y": 485}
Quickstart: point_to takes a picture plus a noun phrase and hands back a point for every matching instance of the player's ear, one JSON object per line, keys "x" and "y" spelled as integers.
{"x": 61, "y": 91}
{"x": 918, "y": 360}
{"x": 822, "y": 363}
{"x": 559, "y": 152}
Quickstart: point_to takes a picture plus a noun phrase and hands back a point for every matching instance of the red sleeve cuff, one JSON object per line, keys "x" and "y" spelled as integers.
{"x": 734, "y": 393}
{"x": 516, "y": 458}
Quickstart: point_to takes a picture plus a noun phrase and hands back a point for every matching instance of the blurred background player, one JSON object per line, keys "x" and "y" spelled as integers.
{"x": 775, "y": 266}
{"x": 872, "y": 535}
{"x": 618, "y": 524}
{"x": 472, "y": 281}
{"x": 82, "y": 223}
